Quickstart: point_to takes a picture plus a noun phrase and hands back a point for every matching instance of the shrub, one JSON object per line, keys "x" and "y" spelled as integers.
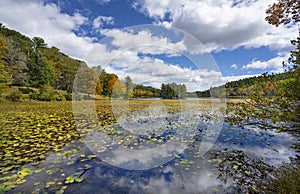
{"x": 14, "y": 96}
{"x": 68, "y": 96}
{"x": 287, "y": 181}
{"x": 289, "y": 88}
{"x": 26, "y": 90}
{"x": 46, "y": 93}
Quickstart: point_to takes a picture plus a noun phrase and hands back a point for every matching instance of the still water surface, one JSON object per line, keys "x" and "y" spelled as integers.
{"x": 240, "y": 159}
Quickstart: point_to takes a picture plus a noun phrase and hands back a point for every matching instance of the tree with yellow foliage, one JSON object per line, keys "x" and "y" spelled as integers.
{"x": 4, "y": 76}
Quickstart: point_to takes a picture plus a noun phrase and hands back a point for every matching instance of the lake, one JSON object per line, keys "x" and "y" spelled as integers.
{"x": 119, "y": 157}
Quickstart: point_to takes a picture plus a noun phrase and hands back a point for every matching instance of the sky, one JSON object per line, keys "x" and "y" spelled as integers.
{"x": 197, "y": 43}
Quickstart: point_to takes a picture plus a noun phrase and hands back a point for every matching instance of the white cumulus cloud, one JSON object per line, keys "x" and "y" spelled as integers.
{"x": 275, "y": 63}
{"x": 152, "y": 44}
{"x": 221, "y": 24}
{"x": 34, "y": 18}
{"x": 101, "y": 20}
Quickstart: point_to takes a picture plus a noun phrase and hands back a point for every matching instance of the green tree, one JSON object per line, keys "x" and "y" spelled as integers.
{"x": 38, "y": 43}
{"x": 167, "y": 91}
{"x": 40, "y": 71}
{"x": 65, "y": 68}
{"x": 173, "y": 90}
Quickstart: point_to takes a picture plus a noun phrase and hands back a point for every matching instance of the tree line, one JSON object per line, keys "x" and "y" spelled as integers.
{"x": 30, "y": 63}
{"x": 283, "y": 84}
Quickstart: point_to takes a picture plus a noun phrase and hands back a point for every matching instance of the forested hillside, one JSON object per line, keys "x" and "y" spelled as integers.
{"x": 32, "y": 70}
{"x": 42, "y": 73}
{"x": 30, "y": 63}
{"x": 284, "y": 84}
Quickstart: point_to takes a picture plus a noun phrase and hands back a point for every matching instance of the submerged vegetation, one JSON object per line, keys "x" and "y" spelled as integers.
{"x": 34, "y": 132}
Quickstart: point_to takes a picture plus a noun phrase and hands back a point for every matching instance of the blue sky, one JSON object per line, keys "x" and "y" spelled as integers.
{"x": 199, "y": 43}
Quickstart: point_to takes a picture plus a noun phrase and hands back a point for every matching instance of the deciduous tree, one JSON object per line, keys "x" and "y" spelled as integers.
{"x": 284, "y": 12}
